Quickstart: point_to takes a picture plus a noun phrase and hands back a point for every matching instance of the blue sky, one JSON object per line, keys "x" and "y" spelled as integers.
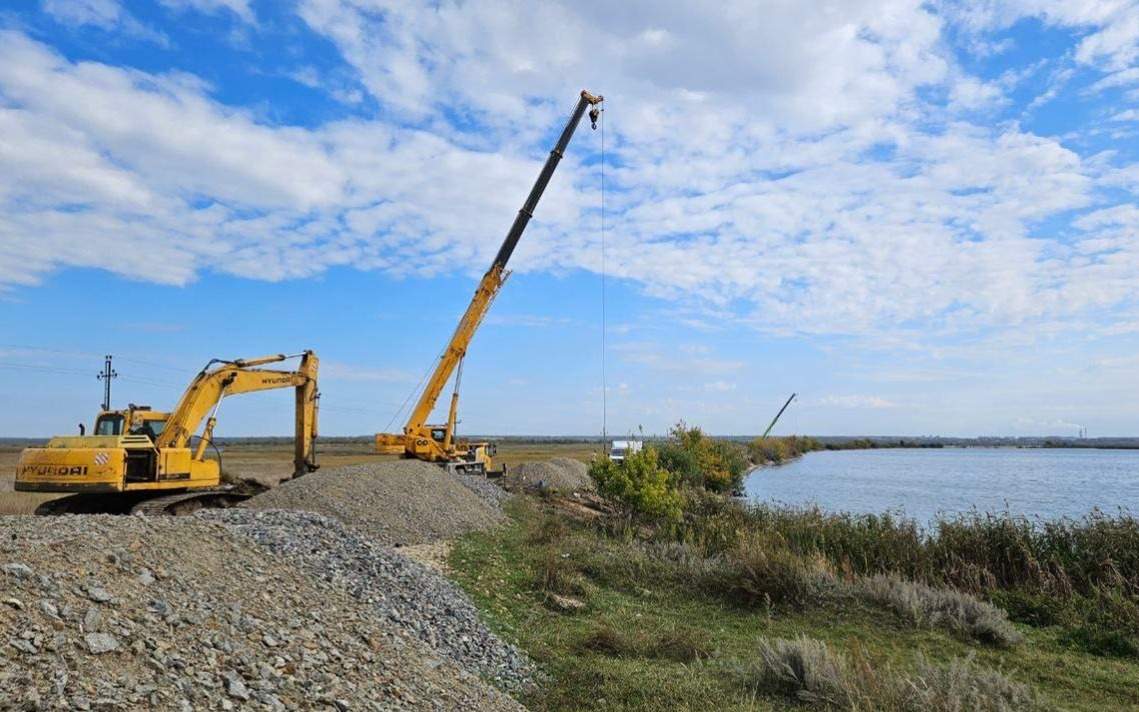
{"x": 919, "y": 216}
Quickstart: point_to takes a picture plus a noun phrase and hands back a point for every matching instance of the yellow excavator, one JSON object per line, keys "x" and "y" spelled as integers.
{"x": 141, "y": 460}
{"x": 437, "y": 443}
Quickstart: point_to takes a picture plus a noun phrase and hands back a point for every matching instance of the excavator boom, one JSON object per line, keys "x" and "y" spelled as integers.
{"x": 425, "y": 442}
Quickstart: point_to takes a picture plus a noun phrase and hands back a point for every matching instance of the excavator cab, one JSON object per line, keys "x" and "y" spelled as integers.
{"x": 110, "y": 423}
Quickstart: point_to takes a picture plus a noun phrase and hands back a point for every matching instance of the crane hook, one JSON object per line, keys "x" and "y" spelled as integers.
{"x": 594, "y": 114}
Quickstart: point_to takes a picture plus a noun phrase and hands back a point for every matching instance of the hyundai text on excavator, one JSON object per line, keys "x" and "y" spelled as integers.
{"x": 437, "y": 443}
{"x": 141, "y": 460}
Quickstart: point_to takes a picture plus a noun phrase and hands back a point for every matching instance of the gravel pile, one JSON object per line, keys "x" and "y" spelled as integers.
{"x": 100, "y": 612}
{"x": 406, "y": 594}
{"x": 561, "y": 474}
{"x": 488, "y": 490}
{"x": 394, "y": 502}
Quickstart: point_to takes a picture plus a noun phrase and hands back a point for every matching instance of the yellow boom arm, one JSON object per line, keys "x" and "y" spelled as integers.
{"x": 224, "y": 378}
{"x": 417, "y": 440}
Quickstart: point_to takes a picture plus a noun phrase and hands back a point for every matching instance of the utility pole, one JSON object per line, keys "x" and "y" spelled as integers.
{"x": 106, "y": 376}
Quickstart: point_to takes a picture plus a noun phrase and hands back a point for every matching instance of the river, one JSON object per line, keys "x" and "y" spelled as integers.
{"x": 922, "y": 483}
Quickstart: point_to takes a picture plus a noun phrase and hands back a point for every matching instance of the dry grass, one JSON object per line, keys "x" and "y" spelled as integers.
{"x": 12, "y": 502}
{"x": 811, "y": 673}
{"x": 926, "y": 607}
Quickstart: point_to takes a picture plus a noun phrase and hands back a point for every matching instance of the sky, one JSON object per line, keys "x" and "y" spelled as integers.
{"x": 919, "y": 216}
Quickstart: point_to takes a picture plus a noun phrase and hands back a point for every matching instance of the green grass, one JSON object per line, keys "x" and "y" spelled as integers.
{"x": 650, "y": 641}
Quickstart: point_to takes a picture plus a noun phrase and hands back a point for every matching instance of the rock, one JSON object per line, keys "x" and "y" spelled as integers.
{"x": 20, "y": 571}
{"x": 393, "y": 503}
{"x": 91, "y": 619}
{"x": 14, "y": 603}
{"x": 235, "y": 686}
{"x": 99, "y": 643}
{"x": 317, "y": 596}
{"x": 98, "y": 594}
{"x": 413, "y": 598}
{"x": 567, "y": 604}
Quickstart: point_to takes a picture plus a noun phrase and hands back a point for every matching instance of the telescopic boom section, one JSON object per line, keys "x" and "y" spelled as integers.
{"x": 226, "y": 378}
{"x": 491, "y": 283}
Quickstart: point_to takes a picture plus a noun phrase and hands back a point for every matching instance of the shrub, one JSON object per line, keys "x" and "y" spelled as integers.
{"x": 638, "y": 485}
{"x": 804, "y": 669}
{"x": 701, "y": 461}
{"x": 810, "y": 672}
{"x": 927, "y": 607}
{"x": 765, "y": 572}
{"x": 777, "y": 450}
{"x": 555, "y": 572}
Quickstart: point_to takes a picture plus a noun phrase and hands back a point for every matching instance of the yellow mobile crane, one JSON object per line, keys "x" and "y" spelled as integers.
{"x": 436, "y": 443}
{"x": 136, "y": 455}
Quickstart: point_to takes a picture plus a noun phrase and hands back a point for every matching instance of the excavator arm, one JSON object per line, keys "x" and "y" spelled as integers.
{"x": 416, "y": 440}
{"x": 225, "y": 378}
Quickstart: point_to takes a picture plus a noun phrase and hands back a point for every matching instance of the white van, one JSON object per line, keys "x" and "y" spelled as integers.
{"x": 622, "y": 447}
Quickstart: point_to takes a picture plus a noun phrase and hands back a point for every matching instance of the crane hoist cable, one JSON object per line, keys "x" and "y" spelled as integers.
{"x": 604, "y": 380}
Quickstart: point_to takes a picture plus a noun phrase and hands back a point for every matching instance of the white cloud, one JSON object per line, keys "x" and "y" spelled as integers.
{"x": 1110, "y": 27}
{"x": 855, "y": 401}
{"x": 241, "y": 8}
{"x": 108, "y": 15}
{"x": 100, "y": 13}
{"x": 783, "y": 169}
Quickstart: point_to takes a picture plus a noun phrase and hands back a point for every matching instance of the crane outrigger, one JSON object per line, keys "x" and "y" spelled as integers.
{"x": 437, "y": 443}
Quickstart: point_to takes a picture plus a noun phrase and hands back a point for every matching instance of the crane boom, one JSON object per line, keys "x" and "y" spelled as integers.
{"x": 777, "y": 416}
{"x": 419, "y": 439}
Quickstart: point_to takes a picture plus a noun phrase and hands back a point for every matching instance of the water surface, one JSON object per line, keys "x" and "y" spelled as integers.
{"x": 1046, "y": 483}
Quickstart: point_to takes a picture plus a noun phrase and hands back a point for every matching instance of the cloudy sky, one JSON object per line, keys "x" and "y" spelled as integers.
{"x": 921, "y": 216}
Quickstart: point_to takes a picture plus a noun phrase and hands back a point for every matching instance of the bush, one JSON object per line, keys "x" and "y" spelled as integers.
{"x": 556, "y": 572}
{"x": 1068, "y": 572}
{"x": 701, "y": 461}
{"x": 763, "y": 572}
{"x": 809, "y": 672}
{"x": 780, "y": 449}
{"x": 638, "y": 485}
{"x": 927, "y": 607}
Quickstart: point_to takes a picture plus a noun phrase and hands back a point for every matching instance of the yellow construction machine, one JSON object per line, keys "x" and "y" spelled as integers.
{"x": 140, "y": 459}
{"x": 437, "y": 443}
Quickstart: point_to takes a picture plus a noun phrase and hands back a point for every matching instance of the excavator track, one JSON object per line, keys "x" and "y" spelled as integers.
{"x": 146, "y": 504}
{"x": 189, "y": 502}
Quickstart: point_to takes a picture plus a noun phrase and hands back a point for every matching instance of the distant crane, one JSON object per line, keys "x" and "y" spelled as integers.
{"x": 777, "y": 415}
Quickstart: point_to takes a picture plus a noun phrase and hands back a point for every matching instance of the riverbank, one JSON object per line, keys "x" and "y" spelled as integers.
{"x": 692, "y": 617}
